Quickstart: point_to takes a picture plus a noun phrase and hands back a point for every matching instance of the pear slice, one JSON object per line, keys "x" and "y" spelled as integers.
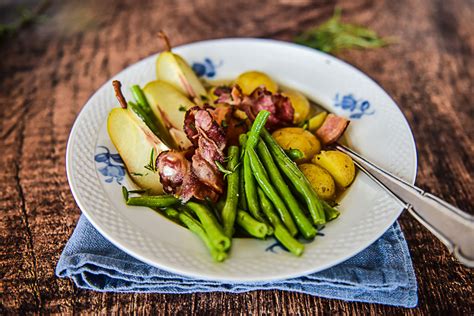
{"x": 169, "y": 105}
{"x": 173, "y": 69}
{"x": 135, "y": 143}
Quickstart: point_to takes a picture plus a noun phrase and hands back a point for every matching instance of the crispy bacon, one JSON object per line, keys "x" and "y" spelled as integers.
{"x": 197, "y": 177}
{"x": 332, "y": 129}
{"x": 176, "y": 176}
{"x": 279, "y": 106}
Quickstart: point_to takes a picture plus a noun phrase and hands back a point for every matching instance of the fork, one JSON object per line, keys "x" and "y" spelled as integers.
{"x": 453, "y": 227}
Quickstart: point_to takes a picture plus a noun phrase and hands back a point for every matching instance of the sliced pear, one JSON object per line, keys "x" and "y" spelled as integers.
{"x": 170, "y": 105}
{"x": 135, "y": 142}
{"x": 173, "y": 69}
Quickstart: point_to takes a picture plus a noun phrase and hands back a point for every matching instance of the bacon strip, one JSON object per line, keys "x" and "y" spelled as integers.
{"x": 332, "y": 129}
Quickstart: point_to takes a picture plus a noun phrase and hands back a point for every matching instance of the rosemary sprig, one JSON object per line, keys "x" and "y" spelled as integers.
{"x": 152, "y": 163}
{"x": 334, "y": 35}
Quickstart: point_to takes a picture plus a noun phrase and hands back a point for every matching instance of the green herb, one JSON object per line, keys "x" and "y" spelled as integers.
{"x": 224, "y": 124}
{"x": 334, "y": 35}
{"x": 222, "y": 169}
{"x": 26, "y": 17}
{"x": 204, "y": 98}
{"x": 137, "y": 174}
{"x": 182, "y": 108}
{"x": 152, "y": 163}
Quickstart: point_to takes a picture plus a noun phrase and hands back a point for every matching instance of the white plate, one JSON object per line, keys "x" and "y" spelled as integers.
{"x": 378, "y": 130}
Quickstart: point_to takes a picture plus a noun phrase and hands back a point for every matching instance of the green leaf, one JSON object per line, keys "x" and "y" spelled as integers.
{"x": 152, "y": 163}
{"x": 333, "y": 36}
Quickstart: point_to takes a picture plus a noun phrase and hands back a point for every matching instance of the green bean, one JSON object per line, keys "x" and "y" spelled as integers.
{"x": 265, "y": 185}
{"x": 171, "y": 213}
{"x": 197, "y": 228}
{"x": 330, "y": 212}
{"x": 296, "y": 177}
{"x": 211, "y": 226}
{"x": 281, "y": 233}
{"x": 153, "y": 200}
{"x": 251, "y": 225}
{"x": 232, "y": 196}
{"x": 304, "y": 225}
{"x": 242, "y": 198}
{"x": 257, "y": 126}
{"x": 294, "y": 154}
{"x": 249, "y": 184}
{"x": 143, "y": 110}
{"x": 140, "y": 98}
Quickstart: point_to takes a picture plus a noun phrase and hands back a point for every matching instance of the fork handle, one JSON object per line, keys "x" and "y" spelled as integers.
{"x": 449, "y": 224}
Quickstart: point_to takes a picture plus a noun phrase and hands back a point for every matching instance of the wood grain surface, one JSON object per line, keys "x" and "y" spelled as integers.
{"x": 49, "y": 70}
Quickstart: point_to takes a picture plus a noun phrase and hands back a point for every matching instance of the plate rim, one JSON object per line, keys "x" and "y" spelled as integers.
{"x": 208, "y": 276}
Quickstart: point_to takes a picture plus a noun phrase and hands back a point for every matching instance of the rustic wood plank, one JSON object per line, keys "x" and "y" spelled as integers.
{"x": 48, "y": 72}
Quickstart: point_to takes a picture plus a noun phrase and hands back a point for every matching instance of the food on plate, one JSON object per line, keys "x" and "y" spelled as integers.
{"x": 332, "y": 129}
{"x": 321, "y": 180}
{"x": 298, "y": 138}
{"x": 300, "y": 104}
{"x": 339, "y": 165}
{"x": 316, "y": 121}
{"x": 174, "y": 70}
{"x": 251, "y": 80}
{"x": 208, "y": 159}
{"x": 137, "y": 145}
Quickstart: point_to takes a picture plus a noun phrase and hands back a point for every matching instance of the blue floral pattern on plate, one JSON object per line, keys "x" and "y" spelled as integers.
{"x": 206, "y": 69}
{"x": 356, "y": 107}
{"x": 112, "y": 166}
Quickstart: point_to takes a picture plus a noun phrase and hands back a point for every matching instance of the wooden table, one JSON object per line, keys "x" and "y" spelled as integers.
{"x": 49, "y": 71}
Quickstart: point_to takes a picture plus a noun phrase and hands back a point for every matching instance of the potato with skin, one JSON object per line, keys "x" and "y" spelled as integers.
{"x": 339, "y": 165}
{"x": 298, "y": 138}
{"x": 321, "y": 181}
{"x": 251, "y": 80}
{"x": 300, "y": 104}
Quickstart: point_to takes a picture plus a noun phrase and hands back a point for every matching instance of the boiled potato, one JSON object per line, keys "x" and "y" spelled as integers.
{"x": 251, "y": 80}
{"x": 298, "y": 138}
{"x": 320, "y": 180}
{"x": 300, "y": 105}
{"x": 339, "y": 165}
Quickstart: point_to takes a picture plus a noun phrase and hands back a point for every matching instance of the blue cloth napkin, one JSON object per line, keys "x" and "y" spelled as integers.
{"x": 382, "y": 273}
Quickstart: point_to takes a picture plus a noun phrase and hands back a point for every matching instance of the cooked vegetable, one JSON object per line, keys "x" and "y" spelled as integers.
{"x": 266, "y": 186}
{"x": 298, "y": 138}
{"x": 300, "y": 104}
{"x": 294, "y": 154}
{"x": 154, "y": 201}
{"x": 242, "y": 197}
{"x": 297, "y": 178}
{"x": 339, "y": 165}
{"x": 198, "y": 229}
{"x": 251, "y": 225}
{"x": 304, "y": 225}
{"x": 251, "y": 80}
{"x": 321, "y": 181}
{"x": 331, "y": 212}
{"x": 257, "y": 126}
{"x": 316, "y": 121}
{"x": 232, "y": 197}
{"x": 211, "y": 226}
{"x": 249, "y": 184}
{"x": 281, "y": 233}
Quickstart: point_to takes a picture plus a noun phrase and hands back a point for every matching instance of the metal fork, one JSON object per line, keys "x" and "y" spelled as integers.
{"x": 449, "y": 224}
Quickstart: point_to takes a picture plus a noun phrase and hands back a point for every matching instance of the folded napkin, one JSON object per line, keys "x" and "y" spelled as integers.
{"x": 382, "y": 273}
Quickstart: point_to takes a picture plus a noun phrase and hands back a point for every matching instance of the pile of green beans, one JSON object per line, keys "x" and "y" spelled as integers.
{"x": 266, "y": 195}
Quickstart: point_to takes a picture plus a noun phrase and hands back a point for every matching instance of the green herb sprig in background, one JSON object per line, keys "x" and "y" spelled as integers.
{"x": 333, "y": 36}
